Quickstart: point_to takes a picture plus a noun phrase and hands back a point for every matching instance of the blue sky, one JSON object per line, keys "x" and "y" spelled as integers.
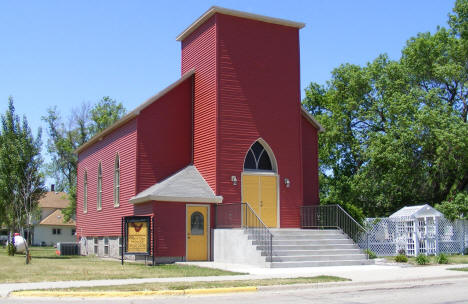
{"x": 64, "y": 53}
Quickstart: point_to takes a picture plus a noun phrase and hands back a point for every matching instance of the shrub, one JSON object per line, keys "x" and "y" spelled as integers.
{"x": 422, "y": 259}
{"x": 442, "y": 259}
{"x": 371, "y": 254}
{"x": 401, "y": 258}
{"x": 11, "y": 249}
{"x": 402, "y": 252}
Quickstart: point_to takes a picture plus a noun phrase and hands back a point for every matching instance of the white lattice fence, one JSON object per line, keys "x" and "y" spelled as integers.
{"x": 387, "y": 236}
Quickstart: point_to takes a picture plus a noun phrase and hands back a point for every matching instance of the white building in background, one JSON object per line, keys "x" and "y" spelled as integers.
{"x": 417, "y": 230}
{"x": 50, "y": 229}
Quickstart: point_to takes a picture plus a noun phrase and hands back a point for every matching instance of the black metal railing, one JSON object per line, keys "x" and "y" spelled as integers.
{"x": 257, "y": 230}
{"x": 241, "y": 215}
{"x": 228, "y": 215}
{"x": 334, "y": 217}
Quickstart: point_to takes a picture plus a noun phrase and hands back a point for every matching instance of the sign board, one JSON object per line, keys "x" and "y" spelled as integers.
{"x": 137, "y": 235}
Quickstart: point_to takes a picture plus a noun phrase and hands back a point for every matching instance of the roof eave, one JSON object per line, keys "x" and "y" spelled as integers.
{"x": 159, "y": 198}
{"x": 312, "y": 120}
{"x": 221, "y": 10}
{"x": 133, "y": 113}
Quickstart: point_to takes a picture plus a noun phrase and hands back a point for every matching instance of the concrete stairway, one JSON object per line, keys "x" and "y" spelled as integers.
{"x": 309, "y": 248}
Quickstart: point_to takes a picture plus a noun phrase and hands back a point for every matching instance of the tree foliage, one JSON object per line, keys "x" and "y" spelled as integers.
{"x": 396, "y": 130}
{"x": 21, "y": 179}
{"x": 65, "y": 138}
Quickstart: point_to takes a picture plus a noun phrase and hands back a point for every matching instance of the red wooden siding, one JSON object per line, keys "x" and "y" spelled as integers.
{"x": 165, "y": 136}
{"x": 170, "y": 229}
{"x": 199, "y": 52}
{"x": 106, "y": 222}
{"x": 259, "y": 96}
{"x": 310, "y": 162}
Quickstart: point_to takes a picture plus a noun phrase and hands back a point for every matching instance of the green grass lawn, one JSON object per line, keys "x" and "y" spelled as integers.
{"x": 452, "y": 259}
{"x": 47, "y": 266}
{"x": 197, "y": 285}
{"x": 459, "y": 269}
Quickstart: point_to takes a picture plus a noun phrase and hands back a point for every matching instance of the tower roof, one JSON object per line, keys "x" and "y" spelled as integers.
{"x": 221, "y": 10}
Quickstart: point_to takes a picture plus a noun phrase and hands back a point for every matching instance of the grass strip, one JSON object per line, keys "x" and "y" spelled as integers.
{"x": 452, "y": 259}
{"x": 47, "y": 266}
{"x": 174, "y": 288}
{"x": 459, "y": 269}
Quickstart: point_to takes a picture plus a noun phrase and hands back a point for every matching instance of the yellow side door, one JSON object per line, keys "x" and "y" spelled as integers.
{"x": 197, "y": 234}
{"x": 268, "y": 200}
{"x": 251, "y": 195}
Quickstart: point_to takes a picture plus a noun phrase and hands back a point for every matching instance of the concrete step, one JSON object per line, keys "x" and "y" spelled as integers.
{"x": 315, "y": 252}
{"x": 305, "y": 232}
{"x": 306, "y": 242}
{"x": 311, "y": 237}
{"x": 315, "y": 258}
{"x": 320, "y": 263}
{"x": 309, "y": 247}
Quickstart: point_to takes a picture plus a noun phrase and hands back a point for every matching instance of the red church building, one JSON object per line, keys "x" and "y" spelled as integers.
{"x": 231, "y": 130}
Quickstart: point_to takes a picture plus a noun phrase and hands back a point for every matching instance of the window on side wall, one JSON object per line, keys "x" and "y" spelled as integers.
{"x": 117, "y": 181}
{"x": 106, "y": 246}
{"x": 99, "y": 188}
{"x": 85, "y": 192}
{"x": 96, "y": 246}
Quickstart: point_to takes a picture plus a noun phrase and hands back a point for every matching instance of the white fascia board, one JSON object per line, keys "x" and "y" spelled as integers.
{"x": 217, "y": 199}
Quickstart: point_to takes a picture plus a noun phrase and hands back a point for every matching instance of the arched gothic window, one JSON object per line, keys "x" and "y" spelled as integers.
{"x": 99, "y": 188}
{"x": 257, "y": 158}
{"x": 85, "y": 192}
{"x": 117, "y": 181}
{"x": 197, "y": 223}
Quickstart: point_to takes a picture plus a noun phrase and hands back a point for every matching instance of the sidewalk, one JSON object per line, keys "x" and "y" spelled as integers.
{"x": 358, "y": 275}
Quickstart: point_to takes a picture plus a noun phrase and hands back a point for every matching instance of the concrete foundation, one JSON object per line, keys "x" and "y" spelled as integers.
{"x": 233, "y": 246}
{"x": 111, "y": 247}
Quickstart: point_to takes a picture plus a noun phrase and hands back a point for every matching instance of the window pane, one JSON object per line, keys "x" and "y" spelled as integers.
{"x": 249, "y": 162}
{"x": 264, "y": 163}
{"x": 197, "y": 223}
{"x": 257, "y": 148}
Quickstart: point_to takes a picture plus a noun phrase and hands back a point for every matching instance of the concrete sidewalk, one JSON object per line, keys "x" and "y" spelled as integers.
{"x": 358, "y": 274}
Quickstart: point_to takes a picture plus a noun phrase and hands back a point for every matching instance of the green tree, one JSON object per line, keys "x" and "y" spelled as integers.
{"x": 65, "y": 138}
{"x": 105, "y": 113}
{"x": 396, "y": 130}
{"x": 455, "y": 207}
{"x": 21, "y": 180}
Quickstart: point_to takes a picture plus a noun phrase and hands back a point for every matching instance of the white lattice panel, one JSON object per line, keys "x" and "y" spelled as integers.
{"x": 387, "y": 236}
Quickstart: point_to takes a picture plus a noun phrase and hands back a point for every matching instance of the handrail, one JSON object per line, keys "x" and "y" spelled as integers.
{"x": 359, "y": 225}
{"x": 258, "y": 218}
{"x": 241, "y": 215}
{"x": 258, "y": 230}
{"x": 335, "y": 217}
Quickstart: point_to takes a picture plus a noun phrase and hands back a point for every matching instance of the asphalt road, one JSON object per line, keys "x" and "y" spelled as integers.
{"x": 427, "y": 292}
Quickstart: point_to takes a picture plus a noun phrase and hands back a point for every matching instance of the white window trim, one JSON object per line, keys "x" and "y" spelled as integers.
{"x": 117, "y": 181}
{"x": 85, "y": 192}
{"x": 99, "y": 188}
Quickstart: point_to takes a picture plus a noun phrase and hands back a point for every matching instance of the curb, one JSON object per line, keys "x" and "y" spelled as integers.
{"x": 127, "y": 294}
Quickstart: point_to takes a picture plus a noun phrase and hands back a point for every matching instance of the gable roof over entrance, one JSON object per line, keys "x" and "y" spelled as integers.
{"x": 187, "y": 185}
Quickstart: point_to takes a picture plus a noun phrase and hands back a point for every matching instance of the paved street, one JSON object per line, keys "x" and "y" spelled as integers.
{"x": 453, "y": 290}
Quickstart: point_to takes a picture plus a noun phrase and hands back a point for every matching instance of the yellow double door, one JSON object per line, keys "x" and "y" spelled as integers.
{"x": 260, "y": 192}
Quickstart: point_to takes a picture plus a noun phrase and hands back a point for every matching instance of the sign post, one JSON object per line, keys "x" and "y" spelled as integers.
{"x": 136, "y": 232}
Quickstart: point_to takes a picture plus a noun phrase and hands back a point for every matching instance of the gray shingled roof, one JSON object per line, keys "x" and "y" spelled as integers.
{"x": 186, "y": 185}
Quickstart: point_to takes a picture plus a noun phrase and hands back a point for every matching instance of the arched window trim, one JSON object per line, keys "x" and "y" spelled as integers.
{"x": 268, "y": 150}
{"x": 85, "y": 192}
{"x": 99, "y": 188}
{"x": 200, "y": 230}
{"x": 117, "y": 181}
